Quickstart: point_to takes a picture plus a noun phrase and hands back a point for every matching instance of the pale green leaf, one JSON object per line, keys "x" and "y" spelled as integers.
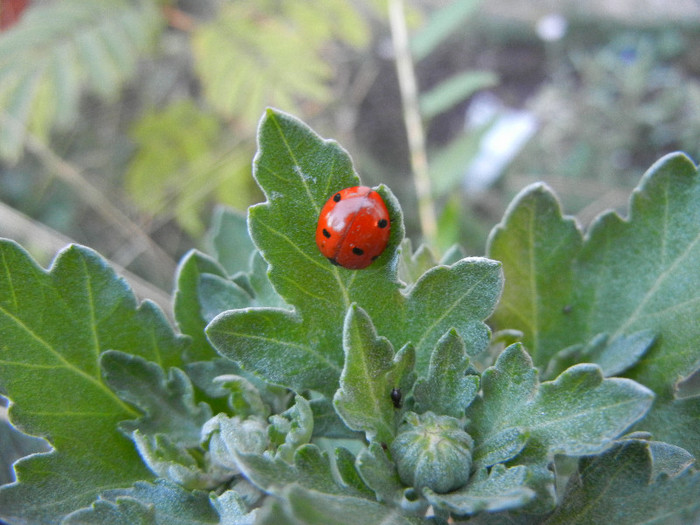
{"x": 187, "y": 307}
{"x": 310, "y": 507}
{"x": 629, "y": 275}
{"x": 577, "y": 414}
{"x": 620, "y": 487}
{"x": 55, "y": 325}
{"x": 363, "y": 400}
{"x": 167, "y": 401}
{"x": 448, "y": 389}
{"x": 158, "y": 503}
{"x": 379, "y": 473}
{"x": 536, "y": 246}
{"x": 501, "y": 489}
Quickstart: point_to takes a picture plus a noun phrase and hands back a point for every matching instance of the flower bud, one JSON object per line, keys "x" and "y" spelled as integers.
{"x": 432, "y": 451}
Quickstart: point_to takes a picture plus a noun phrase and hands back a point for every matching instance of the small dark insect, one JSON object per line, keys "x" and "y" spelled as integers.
{"x": 567, "y": 309}
{"x": 396, "y": 397}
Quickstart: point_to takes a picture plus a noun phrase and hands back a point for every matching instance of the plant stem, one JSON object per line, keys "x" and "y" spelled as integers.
{"x": 412, "y": 119}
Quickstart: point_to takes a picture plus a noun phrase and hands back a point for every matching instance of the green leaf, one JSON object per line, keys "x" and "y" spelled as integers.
{"x": 501, "y": 489}
{"x": 311, "y": 469}
{"x": 295, "y": 426}
{"x": 187, "y": 307}
{"x": 166, "y": 401}
{"x": 158, "y": 503}
{"x": 454, "y": 90}
{"x": 620, "y": 486}
{"x": 629, "y": 275}
{"x": 577, "y": 414}
{"x": 448, "y": 389}
{"x": 55, "y": 325}
{"x": 613, "y": 357}
{"x": 228, "y": 240}
{"x": 298, "y": 171}
{"x": 536, "y": 246}
{"x": 311, "y": 507}
{"x": 380, "y": 474}
{"x": 247, "y": 58}
{"x": 363, "y": 400}
{"x": 60, "y": 49}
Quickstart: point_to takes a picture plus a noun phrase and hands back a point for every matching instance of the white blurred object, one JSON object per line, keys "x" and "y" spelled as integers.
{"x": 552, "y": 27}
{"x": 507, "y": 135}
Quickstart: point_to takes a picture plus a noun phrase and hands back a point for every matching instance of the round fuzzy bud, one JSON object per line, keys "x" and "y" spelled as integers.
{"x": 432, "y": 451}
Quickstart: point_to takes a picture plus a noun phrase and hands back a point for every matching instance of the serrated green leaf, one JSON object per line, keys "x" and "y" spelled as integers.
{"x": 55, "y": 325}
{"x": 501, "y": 489}
{"x": 67, "y": 47}
{"x": 448, "y": 389}
{"x": 15, "y": 445}
{"x": 380, "y": 474}
{"x": 232, "y": 509}
{"x": 310, "y": 507}
{"x": 579, "y": 413}
{"x": 363, "y": 400}
{"x": 619, "y": 487}
{"x": 536, "y": 246}
{"x": 629, "y": 275}
{"x": 158, "y": 503}
{"x": 295, "y": 425}
{"x": 166, "y": 401}
{"x": 311, "y": 469}
{"x": 414, "y": 264}
{"x": 244, "y": 398}
{"x": 348, "y": 473}
{"x": 302, "y": 350}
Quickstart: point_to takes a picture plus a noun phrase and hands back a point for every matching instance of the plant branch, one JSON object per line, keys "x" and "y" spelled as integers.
{"x": 412, "y": 119}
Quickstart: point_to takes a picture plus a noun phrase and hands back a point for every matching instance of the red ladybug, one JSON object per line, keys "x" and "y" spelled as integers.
{"x": 353, "y": 228}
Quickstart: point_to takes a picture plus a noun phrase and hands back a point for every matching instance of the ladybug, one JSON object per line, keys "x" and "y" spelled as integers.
{"x": 353, "y": 228}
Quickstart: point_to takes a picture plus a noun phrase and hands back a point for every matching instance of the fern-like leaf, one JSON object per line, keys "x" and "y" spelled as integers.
{"x": 60, "y": 49}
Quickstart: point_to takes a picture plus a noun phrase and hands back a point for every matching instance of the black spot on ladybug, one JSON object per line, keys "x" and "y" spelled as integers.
{"x": 326, "y": 234}
{"x": 383, "y": 223}
{"x": 396, "y": 397}
{"x": 357, "y": 251}
{"x": 333, "y": 261}
{"x": 336, "y": 197}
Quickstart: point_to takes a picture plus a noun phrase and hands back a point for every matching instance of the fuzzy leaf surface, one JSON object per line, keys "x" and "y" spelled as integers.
{"x": 578, "y": 413}
{"x": 311, "y": 507}
{"x": 364, "y": 398}
{"x": 158, "y": 503}
{"x": 501, "y": 489}
{"x": 448, "y": 389}
{"x": 167, "y": 401}
{"x": 301, "y": 349}
{"x": 619, "y": 486}
{"x": 629, "y": 275}
{"x": 55, "y": 325}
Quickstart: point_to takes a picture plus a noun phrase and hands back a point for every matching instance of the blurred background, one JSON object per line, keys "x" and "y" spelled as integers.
{"x": 124, "y": 122}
